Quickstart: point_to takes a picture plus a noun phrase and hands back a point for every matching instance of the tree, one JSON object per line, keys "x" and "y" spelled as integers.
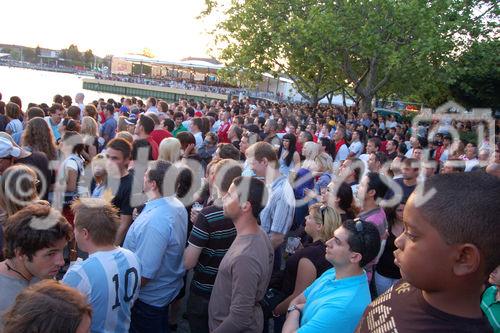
{"x": 258, "y": 41}
{"x": 476, "y": 76}
{"x": 88, "y": 58}
{"x": 29, "y": 54}
{"x": 376, "y": 47}
{"x": 73, "y": 53}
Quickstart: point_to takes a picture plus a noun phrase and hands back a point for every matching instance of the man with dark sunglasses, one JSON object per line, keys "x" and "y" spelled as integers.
{"x": 336, "y": 301}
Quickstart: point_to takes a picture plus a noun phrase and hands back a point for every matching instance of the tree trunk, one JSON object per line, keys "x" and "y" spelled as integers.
{"x": 365, "y": 104}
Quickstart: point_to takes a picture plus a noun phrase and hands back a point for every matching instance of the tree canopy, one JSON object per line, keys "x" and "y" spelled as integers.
{"x": 371, "y": 47}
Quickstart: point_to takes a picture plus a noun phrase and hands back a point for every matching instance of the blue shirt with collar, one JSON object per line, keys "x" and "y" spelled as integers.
{"x": 277, "y": 215}
{"x": 158, "y": 238}
{"x": 334, "y": 305}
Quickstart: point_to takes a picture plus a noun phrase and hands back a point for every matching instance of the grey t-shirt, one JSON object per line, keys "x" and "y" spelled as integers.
{"x": 10, "y": 287}
{"x": 241, "y": 283}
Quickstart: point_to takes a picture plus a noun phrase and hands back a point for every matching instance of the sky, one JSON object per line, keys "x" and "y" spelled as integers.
{"x": 169, "y": 28}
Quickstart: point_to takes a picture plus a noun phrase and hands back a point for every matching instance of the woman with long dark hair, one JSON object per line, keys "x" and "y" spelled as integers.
{"x": 328, "y": 146}
{"x": 289, "y": 158}
{"x": 343, "y": 201}
{"x": 386, "y": 272}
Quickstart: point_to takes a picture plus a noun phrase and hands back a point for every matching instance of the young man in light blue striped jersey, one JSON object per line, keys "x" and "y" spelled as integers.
{"x": 110, "y": 277}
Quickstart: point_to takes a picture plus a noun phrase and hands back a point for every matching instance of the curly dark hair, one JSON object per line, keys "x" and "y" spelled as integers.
{"x": 35, "y": 227}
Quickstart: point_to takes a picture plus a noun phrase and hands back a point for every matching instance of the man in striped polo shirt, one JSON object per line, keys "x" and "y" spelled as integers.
{"x": 210, "y": 238}
{"x": 110, "y": 277}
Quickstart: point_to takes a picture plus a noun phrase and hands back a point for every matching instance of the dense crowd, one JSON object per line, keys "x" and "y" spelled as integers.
{"x": 258, "y": 216}
{"x": 175, "y": 82}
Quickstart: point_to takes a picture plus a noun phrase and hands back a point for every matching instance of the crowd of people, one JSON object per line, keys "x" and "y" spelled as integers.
{"x": 206, "y": 85}
{"x": 175, "y": 82}
{"x": 257, "y": 217}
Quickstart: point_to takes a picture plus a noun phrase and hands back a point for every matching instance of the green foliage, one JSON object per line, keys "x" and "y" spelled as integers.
{"x": 372, "y": 47}
{"x": 476, "y": 76}
{"x": 88, "y": 58}
{"x": 29, "y": 54}
{"x": 468, "y": 137}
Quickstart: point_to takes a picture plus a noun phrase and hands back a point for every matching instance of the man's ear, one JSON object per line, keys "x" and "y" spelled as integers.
{"x": 246, "y": 206}
{"x": 355, "y": 257}
{"x": 85, "y": 233}
{"x": 467, "y": 259}
{"x": 18, "y": 252}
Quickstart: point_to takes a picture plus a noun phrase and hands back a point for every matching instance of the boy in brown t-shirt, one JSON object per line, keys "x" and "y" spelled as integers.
{"x": 449, "y": 246}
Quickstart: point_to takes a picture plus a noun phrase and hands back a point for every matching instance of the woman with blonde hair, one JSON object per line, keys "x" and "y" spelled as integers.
{"x": 323, "y": 171}
{"x": 18, "y": 188}
{"x": 89, "y": 131}
{"x": 308, "y": 263}
{"x": 170, "y": 150}
{"x": 100, "y": 176}
{"x": 122, "y": 124}
{"x": 310, "y": 151}
{"x": 37, "y": 136}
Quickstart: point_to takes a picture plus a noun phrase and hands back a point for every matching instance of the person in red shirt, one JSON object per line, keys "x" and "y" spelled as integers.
{"x": 159, "y": 133}
{"x": 440, "y": 149}
{"x": 224, "y": 127}
{"x": 143, "y": 130}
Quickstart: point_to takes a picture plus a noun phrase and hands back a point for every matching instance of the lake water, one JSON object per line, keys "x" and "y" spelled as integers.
{"x": 40, "y": 87}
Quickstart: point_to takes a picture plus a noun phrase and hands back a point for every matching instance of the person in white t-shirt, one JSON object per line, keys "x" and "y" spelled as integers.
{"x": 196, "y": 125}
{"x": 356, "y": 147}
{"x": 341, "y": 150}
{"x": 470, "y": 157}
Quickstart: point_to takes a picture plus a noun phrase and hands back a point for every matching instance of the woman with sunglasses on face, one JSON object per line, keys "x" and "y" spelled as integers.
{"x": 308, "y": 263}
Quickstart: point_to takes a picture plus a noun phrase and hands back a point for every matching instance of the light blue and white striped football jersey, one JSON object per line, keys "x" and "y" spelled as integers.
{"x": 111, "y": 281}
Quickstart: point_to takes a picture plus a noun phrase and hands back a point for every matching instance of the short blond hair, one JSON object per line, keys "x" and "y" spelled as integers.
{"x": 99, "y": 217}
{"x": 169, "y": 150}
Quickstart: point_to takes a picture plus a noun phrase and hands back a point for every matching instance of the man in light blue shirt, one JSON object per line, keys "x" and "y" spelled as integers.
{"x": 158, "y": 238}
{"x": 110, "y": 277}
{"x": 336, "y": 301}
{"x": 277, "y": 216}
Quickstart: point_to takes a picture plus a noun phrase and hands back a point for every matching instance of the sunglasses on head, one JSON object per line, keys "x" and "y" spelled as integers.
{"x": 358, "y": 225}
{"x": 322, "y": 210}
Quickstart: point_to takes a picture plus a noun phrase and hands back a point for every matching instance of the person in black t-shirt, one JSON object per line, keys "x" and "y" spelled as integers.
{"x": 118, "y": 152}
{"x": 448, "y": 248}
{"x": 209, "y": 240}
{"x": 386, "y": 271}
{"x": 409, "y": 170}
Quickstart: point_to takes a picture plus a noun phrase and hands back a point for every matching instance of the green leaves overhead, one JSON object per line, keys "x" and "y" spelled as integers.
{"x": 372, "y": 47}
